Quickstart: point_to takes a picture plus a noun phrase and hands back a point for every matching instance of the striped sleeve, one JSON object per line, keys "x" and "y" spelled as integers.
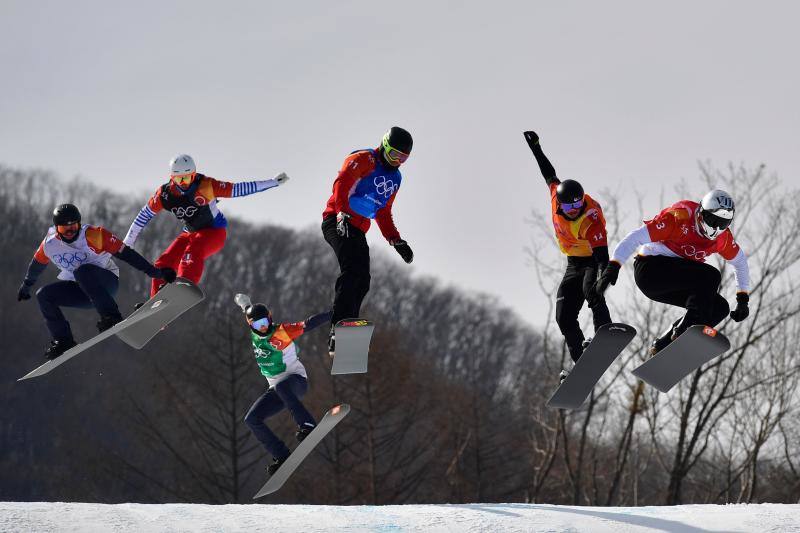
{"x": 246, "y": 188}
{"x": 145, "y": 215}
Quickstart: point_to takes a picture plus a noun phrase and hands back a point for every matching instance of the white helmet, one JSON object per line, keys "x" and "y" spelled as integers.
{"x": 181, "y": 165}
{"x": 715, "y": 213}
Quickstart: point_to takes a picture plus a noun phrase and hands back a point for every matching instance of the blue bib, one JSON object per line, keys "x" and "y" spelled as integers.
{"x": 374, "y": 190}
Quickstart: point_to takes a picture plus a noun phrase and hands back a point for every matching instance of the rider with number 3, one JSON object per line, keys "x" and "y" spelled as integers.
{"x": 670, "y": 267}
{"x": 192, "y": 198}
{"x": 364, "y": 189}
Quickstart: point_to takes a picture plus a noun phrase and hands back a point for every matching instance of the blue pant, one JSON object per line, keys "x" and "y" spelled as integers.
{"x": 94, "y": 286}
{"x": 285, "y": 394}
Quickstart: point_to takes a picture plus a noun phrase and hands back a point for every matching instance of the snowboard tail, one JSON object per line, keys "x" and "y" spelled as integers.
{"x": 695, "y": 347}
{"x": 353, "y": 336}
{"x": 607, "y": 344}
{"x": 180, "y": 296}
{"x": 304, "y": 449}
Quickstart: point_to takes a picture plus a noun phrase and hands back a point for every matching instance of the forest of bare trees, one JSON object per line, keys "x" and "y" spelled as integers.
{"x": 452, "y": 409}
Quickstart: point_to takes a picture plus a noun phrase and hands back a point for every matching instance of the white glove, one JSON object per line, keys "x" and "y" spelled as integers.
{"x": 242, "y": 300}
{"x": 281, "y": 178}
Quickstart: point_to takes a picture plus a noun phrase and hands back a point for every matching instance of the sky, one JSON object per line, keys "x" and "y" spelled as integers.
{"x": 625, "y": 96}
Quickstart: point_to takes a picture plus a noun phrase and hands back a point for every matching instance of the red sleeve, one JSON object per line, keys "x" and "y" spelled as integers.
{"x": 662, "y": 227}
{"x": 294, "y": 329}
{"x": 595, "y": 232}
{"x": 40, "y": 256}
{"x": 154, "y": 203}
{"x": 220, "y": 189}
{"x": 728, "y": 247}
{"x": 355, "y": 166}
{"x": 101, "y": 240}
{"x": 385, "y": 221}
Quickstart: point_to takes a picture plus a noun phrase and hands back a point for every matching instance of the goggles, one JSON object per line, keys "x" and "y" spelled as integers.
{"x": 393, "y": 155}
{"x": 573, "y": 206}
{"x": 261, "y": 323}
{"x": 715, "y": 221}
{"x": 182, "y": 180}
{"x": 61, "y": 228}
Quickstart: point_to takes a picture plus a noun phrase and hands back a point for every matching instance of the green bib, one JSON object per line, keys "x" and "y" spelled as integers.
{"x": 269, "y": 358}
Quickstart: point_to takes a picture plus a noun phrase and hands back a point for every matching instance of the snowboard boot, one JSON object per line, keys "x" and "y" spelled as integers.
{"x": 663, "y": 341}
{"x": 275, "y": 465}
{"x": 137, "y": 306}
{"x": 569, "y": 365}
{"x": 58, "y": 347}
{"x": 303, "y": 431}
{"x": 107, "y": 321}
{"x": 332, "y": 343}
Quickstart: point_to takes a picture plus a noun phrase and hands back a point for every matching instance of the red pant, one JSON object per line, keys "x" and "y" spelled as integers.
{"x": 188, "y": 252}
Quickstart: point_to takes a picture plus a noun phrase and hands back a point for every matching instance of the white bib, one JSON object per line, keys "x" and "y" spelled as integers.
{"x": 69, "y": 256}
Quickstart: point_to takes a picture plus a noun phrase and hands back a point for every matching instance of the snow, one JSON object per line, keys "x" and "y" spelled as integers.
{"x": 88, "y": 517}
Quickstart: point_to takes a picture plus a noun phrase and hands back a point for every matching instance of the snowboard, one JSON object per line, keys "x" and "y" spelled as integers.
{"x": 695, "y": 347}
{"x": 352, "y": 346}
{"x": 166, "y": 301}
{"x": 328, "y": 422}
{"x": 176, "y": 298}
{"x": 607, "y": 344}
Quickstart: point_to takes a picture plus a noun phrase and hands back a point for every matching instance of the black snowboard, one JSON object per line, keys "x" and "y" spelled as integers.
{"x": 607, "y": 344}
{"x": 695, "y": 347}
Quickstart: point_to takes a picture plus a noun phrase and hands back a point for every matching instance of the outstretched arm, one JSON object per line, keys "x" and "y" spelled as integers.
{"x": 35, "y": 269}
{"x": 146, "y": 214}
{"x": 226, "y": 189}
{"x": 548, "y": 172}
{"x": 317, "y": 320}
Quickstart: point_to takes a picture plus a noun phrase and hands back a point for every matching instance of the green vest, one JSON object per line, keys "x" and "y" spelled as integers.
{"x": 269, "y": 358}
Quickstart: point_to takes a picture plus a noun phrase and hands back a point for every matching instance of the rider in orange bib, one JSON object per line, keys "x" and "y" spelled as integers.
{"x": 581, "y": 233}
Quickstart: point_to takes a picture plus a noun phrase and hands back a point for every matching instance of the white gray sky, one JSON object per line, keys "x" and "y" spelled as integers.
{"x": 623, "y": 94}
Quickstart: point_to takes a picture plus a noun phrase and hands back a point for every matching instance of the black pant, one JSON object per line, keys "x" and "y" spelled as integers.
{"x": 683, "y": 283}
{"x": 352, "y": 284}
{"x": 94, "y": 286}
{"x": 575, "y": 287}
{"x": 285, "y": 395}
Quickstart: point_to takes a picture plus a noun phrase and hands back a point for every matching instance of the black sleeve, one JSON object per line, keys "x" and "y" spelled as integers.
{"x": 548, "y": 172}
{"x": 133, "y": 258}
{"x": 600, "y": 255}
{"x": 317, "y": 320}
{"x": 35, "y": 269}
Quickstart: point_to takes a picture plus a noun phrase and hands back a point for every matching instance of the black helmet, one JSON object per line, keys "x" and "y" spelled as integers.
{"x": 66, "y": 214}
{"x": 569, "y": 192}
{"x": 257, "y": 312}
{"x": 399, "y": 139}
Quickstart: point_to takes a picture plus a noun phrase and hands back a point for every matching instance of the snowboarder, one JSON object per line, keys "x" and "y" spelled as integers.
{"x": 670, "y": 267}
{"x": 365, "y": 188}
{"x": 276, "y": 355}
{"x": 89, "y": 277}
{"x": 581, "y": 234}
{"x": 192, "y": 198}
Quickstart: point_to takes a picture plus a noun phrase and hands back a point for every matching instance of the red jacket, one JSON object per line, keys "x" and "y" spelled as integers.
{"x": 356, "y": 166}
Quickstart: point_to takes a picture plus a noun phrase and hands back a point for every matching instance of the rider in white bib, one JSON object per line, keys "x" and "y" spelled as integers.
{"x": 89, "y": 277}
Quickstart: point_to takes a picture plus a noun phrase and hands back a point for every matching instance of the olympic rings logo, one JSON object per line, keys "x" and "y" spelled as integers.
{"x": 70, "y": 260}
{"x": 690, "y": 251}
{"x": 384, "y": 187}
{"x": 182, "y": 212}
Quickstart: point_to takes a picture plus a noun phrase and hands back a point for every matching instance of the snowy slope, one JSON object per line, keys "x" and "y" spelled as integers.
{"x": 396, "y": 518}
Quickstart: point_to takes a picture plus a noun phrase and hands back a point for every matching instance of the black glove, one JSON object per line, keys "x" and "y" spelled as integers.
{"x": 167, "y": 274}
{"x": 404, "y": 250}
{"x": 742, "y": 310}
{"x": 343, "y": 224}
{"x": 532, "y": 139}
{"x": 24, "y": 292}
{"x": 608, "y": 277}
